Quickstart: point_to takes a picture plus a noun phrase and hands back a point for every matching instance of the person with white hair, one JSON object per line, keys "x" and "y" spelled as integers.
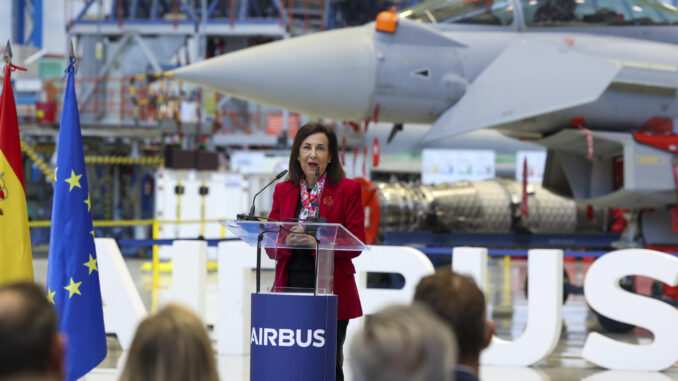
{"x": 403, "y": 343}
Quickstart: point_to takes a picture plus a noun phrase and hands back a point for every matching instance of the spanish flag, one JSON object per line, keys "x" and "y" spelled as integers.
{"x": 16, "y": 262}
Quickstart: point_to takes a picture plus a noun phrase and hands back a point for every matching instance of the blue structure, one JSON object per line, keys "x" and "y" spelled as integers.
{"x": 226, "y": 12}
{"x": 27, "y": 13}
{"x": 161, "y": 12}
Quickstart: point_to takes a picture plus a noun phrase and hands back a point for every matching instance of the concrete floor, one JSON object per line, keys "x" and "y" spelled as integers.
{"x": 565, "y": 362}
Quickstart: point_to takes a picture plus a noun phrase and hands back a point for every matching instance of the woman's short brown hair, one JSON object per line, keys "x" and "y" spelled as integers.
{"x": 334, "y": 170}
{"x": 171, "y": 345}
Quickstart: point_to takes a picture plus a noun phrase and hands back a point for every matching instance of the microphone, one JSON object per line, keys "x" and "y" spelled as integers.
{"x": 250, "y": 216}
{"x": 317, "y": 178}
{"x": 316, "y": 217}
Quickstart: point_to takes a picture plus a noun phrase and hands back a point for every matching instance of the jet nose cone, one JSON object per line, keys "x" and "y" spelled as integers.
{"x": 330, "y": 74}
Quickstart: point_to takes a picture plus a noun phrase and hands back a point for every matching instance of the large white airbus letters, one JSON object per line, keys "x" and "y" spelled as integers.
{"x": 123, "y": 308}
{"x": 604, "y": 294}
{"x": 544, "y": 316}
{"x": 545, "y": 270}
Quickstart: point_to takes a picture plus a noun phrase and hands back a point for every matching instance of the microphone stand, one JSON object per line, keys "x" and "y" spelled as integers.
{"x": 250, "y": 216}
{"x": 314, "y": 231}
{"x": 317, "y": 253}
{"x": 316, "y": 217}
{"x": 260, "y": 238}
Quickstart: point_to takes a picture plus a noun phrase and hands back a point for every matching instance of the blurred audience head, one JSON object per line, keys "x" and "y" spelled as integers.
{"x": 30, "y": 345}
{"x": 458, "y": 301}
{"x": 171, "y": 345}
{"x": 403, "y": 343}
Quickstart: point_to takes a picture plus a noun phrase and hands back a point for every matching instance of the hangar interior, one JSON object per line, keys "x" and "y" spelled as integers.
{"x": 167, "y": 158}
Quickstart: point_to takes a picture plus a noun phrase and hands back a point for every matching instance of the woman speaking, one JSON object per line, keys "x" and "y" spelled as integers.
{"x": 316, "y": 186}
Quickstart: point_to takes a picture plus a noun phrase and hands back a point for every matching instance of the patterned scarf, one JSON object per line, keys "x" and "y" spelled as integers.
{"x": 310, "y": 201}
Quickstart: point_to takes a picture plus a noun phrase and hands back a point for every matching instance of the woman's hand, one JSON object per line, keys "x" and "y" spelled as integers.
{"x": 296, "y": 237}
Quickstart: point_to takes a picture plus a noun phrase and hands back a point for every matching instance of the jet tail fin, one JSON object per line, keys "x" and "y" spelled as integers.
{"x": 535, "y": 78}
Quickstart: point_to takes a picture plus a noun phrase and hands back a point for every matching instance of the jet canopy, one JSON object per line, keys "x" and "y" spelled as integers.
{"x": 544, "y": 13}
{"x": 598, "y": 12}
{"x": 462, "y": 11}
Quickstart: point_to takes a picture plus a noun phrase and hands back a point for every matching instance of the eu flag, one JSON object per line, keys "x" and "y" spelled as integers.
{"x": 72, "y": 272}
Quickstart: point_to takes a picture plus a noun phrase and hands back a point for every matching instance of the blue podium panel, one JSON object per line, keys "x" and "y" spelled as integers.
{"x": 293, "y": 337}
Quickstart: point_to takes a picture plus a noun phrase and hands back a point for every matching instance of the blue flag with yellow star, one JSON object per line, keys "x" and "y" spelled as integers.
{"x": 72, "y": 273}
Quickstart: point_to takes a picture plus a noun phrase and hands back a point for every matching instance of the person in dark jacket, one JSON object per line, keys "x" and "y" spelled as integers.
{"x": 31, "y": 348}
{"x": 458, "y": 301}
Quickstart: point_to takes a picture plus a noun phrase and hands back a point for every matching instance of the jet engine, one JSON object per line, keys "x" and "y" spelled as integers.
{"x": 492, "y": 206}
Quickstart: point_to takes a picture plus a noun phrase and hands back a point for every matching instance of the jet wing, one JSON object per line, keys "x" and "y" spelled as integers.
{"x": 527, "y": 79}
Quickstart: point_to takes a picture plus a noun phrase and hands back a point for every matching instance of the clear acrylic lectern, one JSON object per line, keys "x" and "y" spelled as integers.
{"x": 285, "y": 322}
{"x": 325, "y": 238}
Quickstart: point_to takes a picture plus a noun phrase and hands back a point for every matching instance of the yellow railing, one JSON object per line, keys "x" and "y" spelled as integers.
{"x": 32, "y": 154}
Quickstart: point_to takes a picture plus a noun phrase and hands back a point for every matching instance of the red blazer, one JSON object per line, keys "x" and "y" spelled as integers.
{"x": 341, "y": 204}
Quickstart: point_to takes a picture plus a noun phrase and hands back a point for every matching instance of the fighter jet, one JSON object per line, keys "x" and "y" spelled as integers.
{"x": 593, "y": 81}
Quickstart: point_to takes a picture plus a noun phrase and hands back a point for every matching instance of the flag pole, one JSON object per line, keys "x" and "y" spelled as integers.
{"x": 8, "y": 54}
{"x": 71, "y": 50}
{"x": 16, "y": 262}
{"x": 71, "y": 56}
{"x": 72, "y": 270}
